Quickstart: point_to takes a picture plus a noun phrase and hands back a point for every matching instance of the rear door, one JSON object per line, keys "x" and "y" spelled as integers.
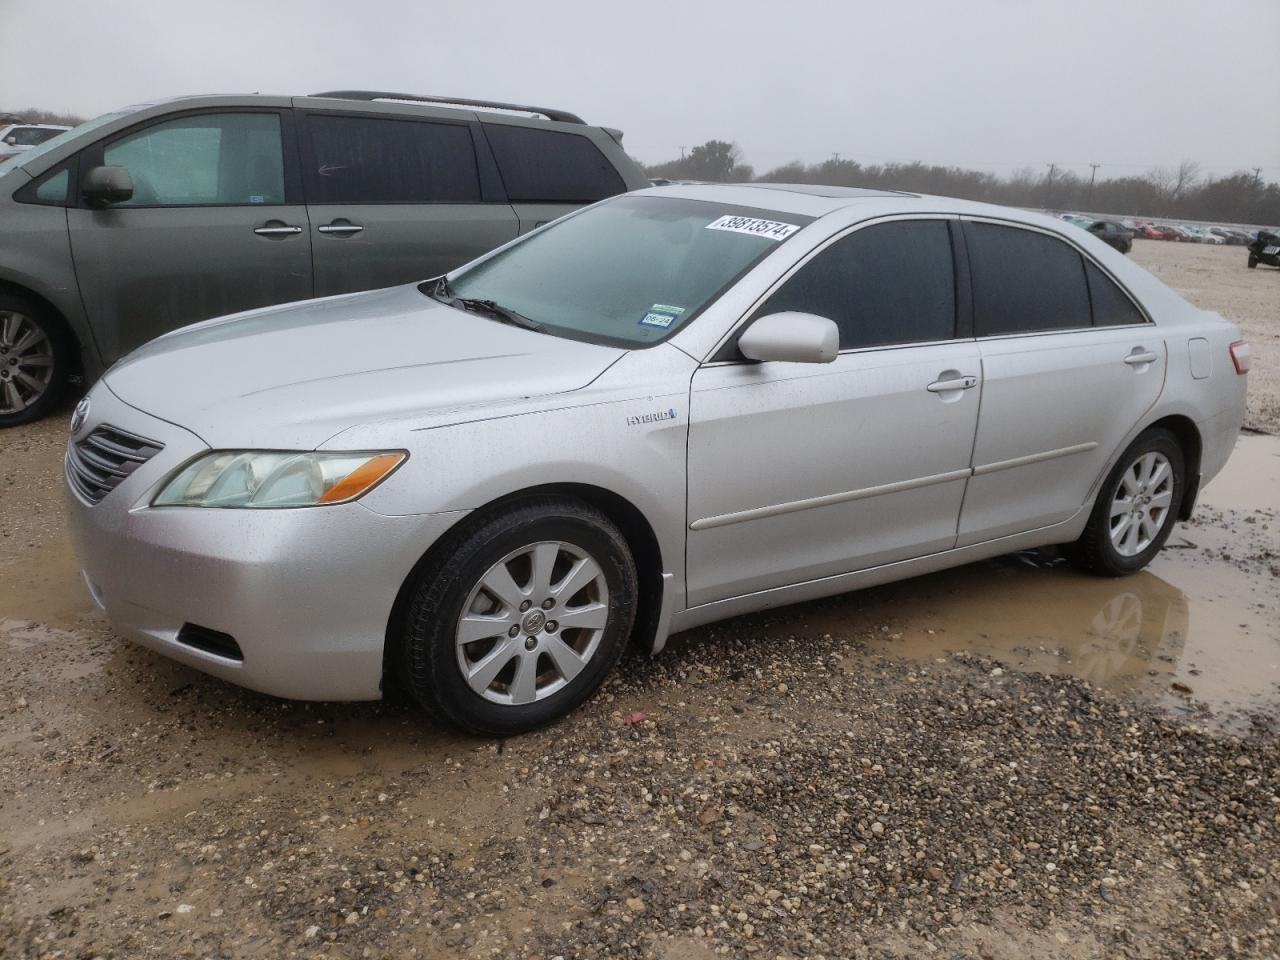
{"x": 800, "y": 471}
{"x": 548, "y": 172}
{"x": 1069, "y": 365}
{"x": 396, "y": 198}
{"x": 215, "y": 225}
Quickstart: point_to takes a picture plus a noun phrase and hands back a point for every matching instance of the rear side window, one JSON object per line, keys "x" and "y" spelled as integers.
{"x": 1111, "y": 307}
{"x": 1024, "y": 282}
{"x": 883, "y": 284}
{"x": 545, "y": 166}
{"x": 375, "y": 160}
{"x": 224, "y": 159}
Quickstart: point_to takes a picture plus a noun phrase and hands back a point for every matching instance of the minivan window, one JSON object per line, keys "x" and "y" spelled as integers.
{"x": 629, "y": 271}
{"x": 887, "y": 283}
{"x": 25, "y": 157}
{"x": 378, "y": 160}
{"x": 1111, "y": 307}
{"x": 546, "y": 166}
{"x": 1024, "y": 281}
{"x": 227, "y": 159}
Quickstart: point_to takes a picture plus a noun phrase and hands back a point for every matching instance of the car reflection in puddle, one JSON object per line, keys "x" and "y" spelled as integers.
{"x": 1141, "y": 634}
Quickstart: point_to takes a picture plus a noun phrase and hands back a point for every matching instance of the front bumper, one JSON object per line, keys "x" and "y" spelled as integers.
{"x": 305, "y": 593}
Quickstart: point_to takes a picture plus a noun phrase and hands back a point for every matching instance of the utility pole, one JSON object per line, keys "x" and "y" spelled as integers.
{"x": 1257, "y": 175}
{"x": 1048, "y": 186}
{"x": 681, "y": 153}
{"x": 1093, "y": 174}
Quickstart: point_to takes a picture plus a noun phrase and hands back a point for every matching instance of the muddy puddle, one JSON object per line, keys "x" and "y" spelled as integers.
{"x": 1200, "y": 626}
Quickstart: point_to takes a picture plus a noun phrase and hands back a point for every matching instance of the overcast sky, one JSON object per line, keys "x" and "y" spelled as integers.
{"x": 994, "y": 84}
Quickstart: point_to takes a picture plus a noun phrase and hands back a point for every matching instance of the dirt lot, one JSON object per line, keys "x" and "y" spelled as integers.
{"x": 1003, "y": 761}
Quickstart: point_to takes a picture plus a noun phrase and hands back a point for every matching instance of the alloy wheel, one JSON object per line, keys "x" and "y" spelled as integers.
{"x": 1141, "y": 504}
{"x": 532, "y": 623}
{"x": 26, "y": 362}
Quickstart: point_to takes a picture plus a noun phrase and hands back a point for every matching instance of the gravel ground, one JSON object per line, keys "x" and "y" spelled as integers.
{"x": 895, "y": 773}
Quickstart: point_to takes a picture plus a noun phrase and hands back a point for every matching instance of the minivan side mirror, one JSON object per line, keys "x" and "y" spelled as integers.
{"x": 103, "y": 186}
{"x": 791, "y": 336}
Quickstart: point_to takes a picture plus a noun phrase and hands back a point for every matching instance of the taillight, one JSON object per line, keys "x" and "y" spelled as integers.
{"x": 1240, "y": 356}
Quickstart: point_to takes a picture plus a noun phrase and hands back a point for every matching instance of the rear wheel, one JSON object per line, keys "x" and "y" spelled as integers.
{"x": 33, "y": 361}
{"x": 1136, "y": 508}
{"x": 521, "y": 618}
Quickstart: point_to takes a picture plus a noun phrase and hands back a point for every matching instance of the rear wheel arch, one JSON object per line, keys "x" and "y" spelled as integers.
{"x": 1188, "y": 436}
{"x": 635, "y": 528}
{"x": 78, "y": 349}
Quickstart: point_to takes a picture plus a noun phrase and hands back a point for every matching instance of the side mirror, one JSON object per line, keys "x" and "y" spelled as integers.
{"x": 792, "y": 337}
{"x": 103, "y": 186}
{"x": 11, "y": 140}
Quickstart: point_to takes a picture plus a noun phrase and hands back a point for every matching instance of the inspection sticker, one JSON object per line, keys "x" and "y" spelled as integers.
{"x": 661, "y": 315}
{"x": 772, "y": 229}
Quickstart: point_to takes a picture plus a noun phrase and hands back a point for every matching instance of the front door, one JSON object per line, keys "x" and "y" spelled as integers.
{"x": 803, "y": 471}
{"x": 212, "y": 228}
{"x": 395, "y": 199}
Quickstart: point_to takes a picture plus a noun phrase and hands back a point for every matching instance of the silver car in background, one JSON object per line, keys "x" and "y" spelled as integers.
{"x": 671, "y": 407}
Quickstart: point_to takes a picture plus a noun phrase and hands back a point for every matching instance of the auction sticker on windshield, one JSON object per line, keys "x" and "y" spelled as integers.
{"x": 661, "y": 315}
{"x": 756, "y": 227}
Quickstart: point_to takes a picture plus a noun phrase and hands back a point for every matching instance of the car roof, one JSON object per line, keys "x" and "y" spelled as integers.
{"x": 813, "y": 200}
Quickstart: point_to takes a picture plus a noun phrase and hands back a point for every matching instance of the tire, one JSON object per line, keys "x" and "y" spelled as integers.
{"x": 1253, "y": 262}
{"x": 1125, "y": 546}
{"x": 546, "y": 547}
{"x": 34, "y": 361}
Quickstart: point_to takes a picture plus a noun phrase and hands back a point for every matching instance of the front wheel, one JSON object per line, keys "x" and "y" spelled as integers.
{"x": 1136, "y": 508}
{"x": 521, "y": 617}
{"x": 1253, "y": 262}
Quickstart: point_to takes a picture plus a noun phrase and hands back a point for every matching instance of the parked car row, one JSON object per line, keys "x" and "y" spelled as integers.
{"x": 1184, "y": 232}
{"x": 17, "y": 138}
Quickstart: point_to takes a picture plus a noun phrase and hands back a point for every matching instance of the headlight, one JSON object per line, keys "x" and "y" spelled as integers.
{"x": 256, "y": 478}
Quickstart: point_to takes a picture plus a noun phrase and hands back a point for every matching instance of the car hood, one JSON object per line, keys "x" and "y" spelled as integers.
{"x": 292, "y": 376}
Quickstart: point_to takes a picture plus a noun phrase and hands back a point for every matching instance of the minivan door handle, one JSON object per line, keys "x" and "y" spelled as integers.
{"x": 955, "y": 383}
{"x": 277, "y": 228}
{"x": 1140, "y": 356}
{"x": 340, "y": 228}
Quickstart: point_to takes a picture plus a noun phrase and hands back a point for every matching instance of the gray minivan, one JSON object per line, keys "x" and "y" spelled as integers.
{"x": 164, "y": 214}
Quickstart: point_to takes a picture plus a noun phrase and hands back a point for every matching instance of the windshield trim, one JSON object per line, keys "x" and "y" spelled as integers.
{"x": 427, "y": 287}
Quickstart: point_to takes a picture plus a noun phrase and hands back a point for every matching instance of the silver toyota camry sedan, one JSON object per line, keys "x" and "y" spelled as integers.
{"x": 671, "y": 407}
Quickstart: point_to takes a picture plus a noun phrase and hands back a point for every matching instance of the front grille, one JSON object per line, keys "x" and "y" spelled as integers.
{"x": 210, "y": 641}
{"x": 97, "y": 464}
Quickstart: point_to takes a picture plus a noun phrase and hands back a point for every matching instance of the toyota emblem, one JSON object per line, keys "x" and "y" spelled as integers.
{"x": 79, "y": 415}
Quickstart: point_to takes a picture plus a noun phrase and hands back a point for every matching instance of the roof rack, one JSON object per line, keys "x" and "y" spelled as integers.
{"x": 562, "y": 116}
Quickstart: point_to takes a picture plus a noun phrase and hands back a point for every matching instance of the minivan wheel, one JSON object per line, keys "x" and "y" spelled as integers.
{"x": 33, "y": 362}
{"x": 521, "y": 618}
{"x": 1136, "y": 508}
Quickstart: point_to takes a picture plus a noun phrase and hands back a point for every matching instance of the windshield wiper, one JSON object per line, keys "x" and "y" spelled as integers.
{"x": 442, "y": 291}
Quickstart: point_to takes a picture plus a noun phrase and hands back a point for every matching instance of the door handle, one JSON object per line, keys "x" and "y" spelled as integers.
{"x": 958, "y": 383}
{"x": 340, "y": 228}
{"x": 1140, "y": 356}
{"x": 275, "y": 228}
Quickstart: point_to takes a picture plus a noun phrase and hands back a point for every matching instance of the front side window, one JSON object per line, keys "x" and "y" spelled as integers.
{"x": 377, "y": 160}
{"x": 229, "y": 159}
{"x": 1024, "y": 281}
{"x": 547, "y": 166}
{"x": 630, "y": 271}
{"x": 884, "y": 284}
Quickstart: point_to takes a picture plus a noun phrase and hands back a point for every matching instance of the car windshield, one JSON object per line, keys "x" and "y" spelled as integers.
{"x": 26, "y": 156}
{"x": 629, "y": 271}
